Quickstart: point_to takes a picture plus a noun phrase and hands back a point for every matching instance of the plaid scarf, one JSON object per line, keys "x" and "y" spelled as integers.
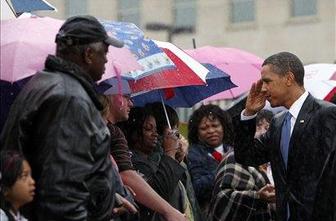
{"x": 234, "y": 196}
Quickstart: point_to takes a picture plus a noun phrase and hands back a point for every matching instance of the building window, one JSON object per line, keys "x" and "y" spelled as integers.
{"x": 242, "y": 11}
{"x": 76, "y": 7}
{"x": 303, "y": 8}
{"x": 129, "y": 11}
{"x": 185, "y": 13}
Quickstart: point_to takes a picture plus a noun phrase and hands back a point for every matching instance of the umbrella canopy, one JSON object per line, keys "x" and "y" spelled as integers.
{"x": 21, "y": 6}
{"x": 7, "y": 12}
{"x": 243, "y": 67}
{"x": 26, "y": 42}
{"x": 148, "y": 54}
{"x": 187, "y": 96}
{"x": 320, "y": 80}
{"x": 186, "y": 71}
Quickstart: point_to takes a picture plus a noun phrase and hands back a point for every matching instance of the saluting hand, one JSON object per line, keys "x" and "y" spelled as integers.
{"x": 256, "y": 99}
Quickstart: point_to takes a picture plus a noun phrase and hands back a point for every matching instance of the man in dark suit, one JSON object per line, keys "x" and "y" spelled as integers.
{"x": 298, "y": 142}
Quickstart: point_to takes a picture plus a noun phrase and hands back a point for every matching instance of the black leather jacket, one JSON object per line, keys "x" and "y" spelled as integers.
{"x": 55, "y": 122}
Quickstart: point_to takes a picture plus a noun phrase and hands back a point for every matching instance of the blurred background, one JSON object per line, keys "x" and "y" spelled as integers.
{"x": 263, "y": 27}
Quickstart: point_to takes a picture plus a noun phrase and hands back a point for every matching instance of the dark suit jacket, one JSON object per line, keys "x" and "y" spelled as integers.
{"x": 325, "y": 202}
{"x": 312, "y": 140}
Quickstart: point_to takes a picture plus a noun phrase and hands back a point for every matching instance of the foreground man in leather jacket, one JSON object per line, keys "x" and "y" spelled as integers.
{"x": 55, "y": 122}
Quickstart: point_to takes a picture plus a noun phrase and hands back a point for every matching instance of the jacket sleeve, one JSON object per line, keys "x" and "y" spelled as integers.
{"x": 248, "y": 150}
{"x": 202, "y": 173}
{"x": 76, "y": 176}
{"x": 163, "y": 178}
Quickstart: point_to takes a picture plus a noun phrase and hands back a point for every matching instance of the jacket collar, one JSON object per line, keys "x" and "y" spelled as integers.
{"x": 58, "y": 64}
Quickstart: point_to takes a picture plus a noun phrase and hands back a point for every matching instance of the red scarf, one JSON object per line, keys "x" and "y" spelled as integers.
{"x": 217, "y": 155}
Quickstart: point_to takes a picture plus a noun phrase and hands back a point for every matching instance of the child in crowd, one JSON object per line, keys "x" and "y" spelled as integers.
{"x": 17, "y": 187}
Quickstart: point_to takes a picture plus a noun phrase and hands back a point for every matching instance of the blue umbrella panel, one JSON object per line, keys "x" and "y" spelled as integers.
{"x": 21, "y": 6}
{"x": 187, "y": 96}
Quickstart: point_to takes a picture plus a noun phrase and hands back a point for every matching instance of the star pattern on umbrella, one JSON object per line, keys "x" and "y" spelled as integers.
{"x": 148, "y": 54}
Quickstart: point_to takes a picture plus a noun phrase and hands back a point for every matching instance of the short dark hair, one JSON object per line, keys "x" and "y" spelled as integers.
{"x": 283, "y": 62}
{"x": 264, "y": 114}
{"x": 133, "y": 127}
{"x": 160, "y": 117}
{"x": 215, "y": 112}
{"x": 11, "y": 167}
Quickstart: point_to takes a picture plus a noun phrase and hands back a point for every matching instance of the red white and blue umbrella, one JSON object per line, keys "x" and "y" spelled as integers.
{"x": 187, "y": 96}
{"x": 186, "y": 71}
{"x": 147, "y": 53}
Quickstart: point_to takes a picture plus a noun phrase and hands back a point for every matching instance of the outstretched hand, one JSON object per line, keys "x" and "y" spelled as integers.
{"x": 256, "y": 99}
{"x": 124, "y": 206}
{"x": 267, "y": 193}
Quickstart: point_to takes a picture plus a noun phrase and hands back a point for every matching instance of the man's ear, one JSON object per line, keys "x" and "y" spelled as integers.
{"x": 290, "y": 78}
{"x": 88, "y": 55}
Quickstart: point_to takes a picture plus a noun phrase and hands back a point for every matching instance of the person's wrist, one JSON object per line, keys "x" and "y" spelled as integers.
{"x": 248, "y": 112}
{"x": 258, "y": 195}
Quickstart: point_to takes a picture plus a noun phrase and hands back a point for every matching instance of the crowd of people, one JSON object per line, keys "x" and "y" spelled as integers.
{"x": 71, "y": 153}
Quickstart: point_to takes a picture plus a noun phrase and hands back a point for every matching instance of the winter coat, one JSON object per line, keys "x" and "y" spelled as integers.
{"x": 56, "y": 123}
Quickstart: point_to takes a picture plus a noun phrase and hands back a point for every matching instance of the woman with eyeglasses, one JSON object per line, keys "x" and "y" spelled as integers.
{"x": 164, "y": 173}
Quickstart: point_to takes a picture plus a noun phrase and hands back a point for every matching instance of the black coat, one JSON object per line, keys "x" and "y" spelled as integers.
{"x": 162, "y": 175}
{"x": 325, "y": 203}
{"x": 55, "y": 121}
{"x": 312, "y": 140}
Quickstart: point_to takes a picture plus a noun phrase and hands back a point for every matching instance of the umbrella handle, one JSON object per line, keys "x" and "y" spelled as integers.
{"x": 165, "y": 111}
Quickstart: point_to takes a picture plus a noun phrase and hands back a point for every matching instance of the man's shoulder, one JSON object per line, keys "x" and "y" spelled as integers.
{"x": 47, "y": 83}
{"x": 322, "y": 107}
{"x": 115, "y": 131}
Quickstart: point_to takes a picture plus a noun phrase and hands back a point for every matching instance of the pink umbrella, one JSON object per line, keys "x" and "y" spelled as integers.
{"x": 243, "y": 67}
{"x": 26, "y": 42}
{"x": 320, "y": 80}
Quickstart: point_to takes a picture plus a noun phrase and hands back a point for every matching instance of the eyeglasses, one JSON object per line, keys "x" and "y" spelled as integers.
{"x": 128, "y": 97}
{"x": 177, "y": 133}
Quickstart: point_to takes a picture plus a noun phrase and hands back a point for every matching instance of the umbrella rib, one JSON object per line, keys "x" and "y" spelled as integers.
{"x": 11, "y": 8}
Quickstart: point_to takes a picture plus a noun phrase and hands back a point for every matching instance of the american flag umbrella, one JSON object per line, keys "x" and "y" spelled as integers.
{"x": 159, "y": 71}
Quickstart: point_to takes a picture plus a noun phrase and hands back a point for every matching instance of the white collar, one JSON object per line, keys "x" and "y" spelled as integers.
{"x": 297, "y": 105}
{"x": 220, "y": 149}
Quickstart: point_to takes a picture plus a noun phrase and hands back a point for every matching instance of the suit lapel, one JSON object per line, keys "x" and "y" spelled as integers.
{"x": 299, "y": 127}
